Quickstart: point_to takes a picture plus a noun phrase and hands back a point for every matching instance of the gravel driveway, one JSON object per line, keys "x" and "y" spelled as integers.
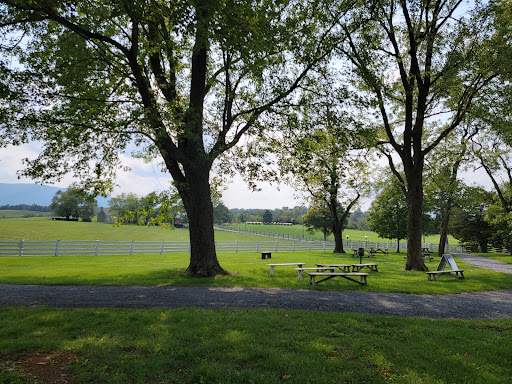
{"x": 490, "y": 305}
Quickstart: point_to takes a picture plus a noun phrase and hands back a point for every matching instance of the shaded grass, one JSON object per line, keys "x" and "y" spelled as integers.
{"x": 246, "y": 270}
{"x": 51, "y": 230}
{"x": 261, "y": 346}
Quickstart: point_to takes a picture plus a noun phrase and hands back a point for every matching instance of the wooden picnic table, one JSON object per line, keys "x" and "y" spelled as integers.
{"x": 343, "y": 267}
{"x": 272, "y": 266}
{"x": 370, "y": 266}
{"x": 300, "y": 271}
{"x": 332, "y": 275}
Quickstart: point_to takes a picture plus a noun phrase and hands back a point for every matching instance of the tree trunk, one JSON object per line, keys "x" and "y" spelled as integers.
{"x": 415, "y": 260}
{"x": 338, "y": 237}
{"x": 195, "y": 193}
{"x": 444, "y": 226}
{"x": 397, "y": 245}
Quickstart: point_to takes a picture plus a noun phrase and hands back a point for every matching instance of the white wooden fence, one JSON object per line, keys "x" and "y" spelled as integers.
{"x": 66, "y": 247}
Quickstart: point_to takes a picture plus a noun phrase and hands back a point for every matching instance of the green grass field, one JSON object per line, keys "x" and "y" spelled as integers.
{"x": 189, "y": 346}
{"x": 18, "y": 214}
{"x": 51, "y": 230}
{"x": 298, "y": 231}
{"x": 238, "y": 346}
{"x": 246, "y": 270}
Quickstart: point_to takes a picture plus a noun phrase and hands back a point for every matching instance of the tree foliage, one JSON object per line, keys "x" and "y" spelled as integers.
{"x": 74, "y": 204}
{"x": 183, "y": 80}
{"x": 415, "y": 61}
{"x": 388, "y": 213}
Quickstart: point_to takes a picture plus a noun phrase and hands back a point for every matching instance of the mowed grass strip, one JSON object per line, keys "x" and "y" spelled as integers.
{"x": 246, "y": 270}
{"x": 260, "y": 346}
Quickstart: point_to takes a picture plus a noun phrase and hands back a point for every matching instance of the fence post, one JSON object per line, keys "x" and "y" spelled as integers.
{"x": 20, "y": 248}
{"x": 161, "y": 247}
{"x": 131, "y": 248}
{"x": 276, "y": 246}
{"x": 293, "y": 247}
{"x": 310, "y": 246}
{"x": 57, "y": 248}
{"x": 236, "y": 249}
{"x": 96, "y": 248}
{"x": 258, "y": 246}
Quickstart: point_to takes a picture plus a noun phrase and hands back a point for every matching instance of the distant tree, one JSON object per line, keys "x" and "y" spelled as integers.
{"x": 388, "y": 213}
{"x": 74, "y": 203}
{"x": 267, "y": 217}
{"x": 221, "y": 213}
{"x": 468, "y": 224}
{"x": 123, "y": 204}
{"x": 319, "y": 218}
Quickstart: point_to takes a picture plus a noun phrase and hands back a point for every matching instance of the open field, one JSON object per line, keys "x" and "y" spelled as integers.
{"x": 51, "y": 230}
{"x": 18, "y": 214}
{"x": 246, "y": 270}
{"x": 298, "y": 232}
{"x": 261, "y": 346}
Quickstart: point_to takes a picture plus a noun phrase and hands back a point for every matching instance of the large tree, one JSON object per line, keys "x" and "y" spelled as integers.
{"x": 321, "y": 154}
{"x": 74, "y": 203}
{"x": 183, "y": 80}
{"x": 416, "y": 61}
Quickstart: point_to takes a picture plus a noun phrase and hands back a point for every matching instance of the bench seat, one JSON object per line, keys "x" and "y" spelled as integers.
{"x": 331, "y": 275}
{"x": 370, "y": 266}
{"x": 458, "y": 273}
{"x": 272, "y": 266}
{"x": 300, "y": 271}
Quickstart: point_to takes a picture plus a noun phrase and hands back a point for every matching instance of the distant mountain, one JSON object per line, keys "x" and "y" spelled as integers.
{"x": 14, "y": 194}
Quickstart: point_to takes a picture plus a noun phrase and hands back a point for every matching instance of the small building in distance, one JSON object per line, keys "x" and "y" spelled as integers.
{"x": 104, "y": 215}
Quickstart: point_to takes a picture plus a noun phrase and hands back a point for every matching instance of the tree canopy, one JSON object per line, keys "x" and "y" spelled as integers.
{"x": 184, "y": 81}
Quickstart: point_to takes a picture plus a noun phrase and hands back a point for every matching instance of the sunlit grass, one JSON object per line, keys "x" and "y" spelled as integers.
{"x": 246, "y": 270}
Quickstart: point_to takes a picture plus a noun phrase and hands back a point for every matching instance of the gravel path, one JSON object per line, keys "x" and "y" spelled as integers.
{"x": 490, "y": 305}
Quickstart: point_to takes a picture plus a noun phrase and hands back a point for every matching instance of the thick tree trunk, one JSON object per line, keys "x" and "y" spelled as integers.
{"x": 198, "y": 204}
{"x": 397, "y": 245}
{"x": 415, "y": 260}
{"x": 338, "y": 237}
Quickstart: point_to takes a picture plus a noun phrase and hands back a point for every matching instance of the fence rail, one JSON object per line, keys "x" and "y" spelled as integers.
{"x": 67, "y": 247}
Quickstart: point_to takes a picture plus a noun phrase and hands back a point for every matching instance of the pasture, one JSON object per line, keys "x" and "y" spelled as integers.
{"x": 51, "y": 230}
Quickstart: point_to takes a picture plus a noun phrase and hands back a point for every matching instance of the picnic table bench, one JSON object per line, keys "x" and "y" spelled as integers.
{"x": 458, "y": 273}
{"x": 272, "y": 266}
{"x": 266, "y": 255}
{"x": 343, "y": 267}
{"x": 332, "y": 275}
{"x": 446, "y": 260}
{"x": 370, "y": 266}
{"x": 300, "y": 271}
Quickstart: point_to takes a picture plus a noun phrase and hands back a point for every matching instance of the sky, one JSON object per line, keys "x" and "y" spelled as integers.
{"x": 146, "y": 178}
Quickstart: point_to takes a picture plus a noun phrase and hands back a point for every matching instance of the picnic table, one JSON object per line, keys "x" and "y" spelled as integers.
{"x": 300, "y": 270}
{"x": 343, "y": 267}
{"x": 370, "y": 266}
{"x": 331, "y": 275}
{"x": 379, "y": 250}
{"x": 272, "y": 266}
{"x": 366, "y": 253}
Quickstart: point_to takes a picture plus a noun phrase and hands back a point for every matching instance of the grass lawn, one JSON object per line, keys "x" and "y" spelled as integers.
{"x": 51, "y": 230}
{"x": 297, "y": 231}
{"x": 259, "y": 346}
{"x": 247, "y": 270}
{"x": 504, "y": 257}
